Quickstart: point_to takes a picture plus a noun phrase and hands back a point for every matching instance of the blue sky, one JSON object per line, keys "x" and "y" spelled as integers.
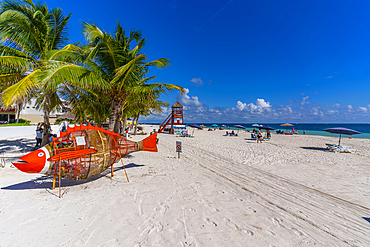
{"x": 250, "y": 61}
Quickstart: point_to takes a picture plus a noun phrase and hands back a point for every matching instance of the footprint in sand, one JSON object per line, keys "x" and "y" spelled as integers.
{"x": 296, "y": 232}
{"x": 248, "y": 232}
{"x": 232, "y": 224}
{"x": 277, "y": 222}
{"x": 210, "y": 222}
{"x": 162, "y": 208}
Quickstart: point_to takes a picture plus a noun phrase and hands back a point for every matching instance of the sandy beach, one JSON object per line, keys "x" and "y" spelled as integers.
{"x": 223, "y": 191}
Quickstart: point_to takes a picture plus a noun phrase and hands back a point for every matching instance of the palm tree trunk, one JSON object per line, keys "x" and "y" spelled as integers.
{"x": 19, "y": 107}
{"x": 117, "y": 122}
{"x": 124, "y": 124}
{"x": 136, "y": 122}
{"x": 113, "y": 114}
{"x": 45, "y": 135}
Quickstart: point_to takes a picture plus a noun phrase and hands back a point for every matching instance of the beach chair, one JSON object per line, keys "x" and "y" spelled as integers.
{"x": 331, "y": 147}
{"x": 344, "y": 149}
{"x": 266, "y": 139}
{"x": 254, "y": 136}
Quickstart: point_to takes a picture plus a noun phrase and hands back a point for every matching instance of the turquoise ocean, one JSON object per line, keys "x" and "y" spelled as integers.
{"x": 309, "y": 128}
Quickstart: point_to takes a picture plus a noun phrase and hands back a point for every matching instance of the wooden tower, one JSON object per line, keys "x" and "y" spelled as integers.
{"x": 175, "y": 119}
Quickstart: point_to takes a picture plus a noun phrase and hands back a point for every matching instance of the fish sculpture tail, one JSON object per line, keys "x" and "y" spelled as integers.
{"x": 148, "y": 144}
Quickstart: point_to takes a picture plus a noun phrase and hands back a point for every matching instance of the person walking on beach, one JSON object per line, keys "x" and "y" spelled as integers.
{"x": 38, "y": 136}
{"x": 268, "y": 134}
{"x": 259, "y": 136}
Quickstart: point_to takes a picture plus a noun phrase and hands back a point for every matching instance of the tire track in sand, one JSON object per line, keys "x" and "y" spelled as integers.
{"x": 315, "y": 207}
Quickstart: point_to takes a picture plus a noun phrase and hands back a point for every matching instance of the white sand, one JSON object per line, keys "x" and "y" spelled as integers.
{"x": 223, "y": 191}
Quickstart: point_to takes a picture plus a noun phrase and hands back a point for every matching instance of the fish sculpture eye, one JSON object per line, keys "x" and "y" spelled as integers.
{"x": 41, "y": 154}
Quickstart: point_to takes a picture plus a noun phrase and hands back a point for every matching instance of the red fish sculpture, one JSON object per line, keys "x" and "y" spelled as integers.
{"x": 82, "y": 152}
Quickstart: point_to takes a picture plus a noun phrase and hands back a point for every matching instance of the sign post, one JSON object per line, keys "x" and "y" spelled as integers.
{"x": 178, "y": 148}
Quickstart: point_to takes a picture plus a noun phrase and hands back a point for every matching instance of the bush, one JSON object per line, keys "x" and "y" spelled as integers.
{"x": 21, "y": 120}
{"x": 15, "y": 124}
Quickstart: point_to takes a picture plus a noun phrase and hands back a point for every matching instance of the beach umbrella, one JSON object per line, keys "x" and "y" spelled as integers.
{"x": 239, "y": 127}
{"x": 287, "y": 125}
{"x": 266, "y": 128}
{"x": 68, "y": 115}
{"x": 340, "y": 131}
{"x": 194, "y": 126}
{"x": 255, "y": 125}
{"x": 214, "y": 125}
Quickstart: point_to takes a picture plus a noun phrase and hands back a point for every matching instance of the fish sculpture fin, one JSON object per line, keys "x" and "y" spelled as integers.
{"x": 150, "y": 143}
{"x": 87, "y": 127}
{"x": 72, "y": 154}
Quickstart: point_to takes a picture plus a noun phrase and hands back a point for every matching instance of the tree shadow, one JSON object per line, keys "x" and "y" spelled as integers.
{"x": 315, "y": 148}
{"x": 46, "y": 182}
{"x": 19, "y": 145}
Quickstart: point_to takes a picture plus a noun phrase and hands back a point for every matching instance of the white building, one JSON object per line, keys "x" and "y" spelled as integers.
{"x": 29, "y": 112}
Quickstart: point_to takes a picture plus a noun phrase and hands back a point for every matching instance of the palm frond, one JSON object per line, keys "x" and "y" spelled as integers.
{"x": 21, "y": 89}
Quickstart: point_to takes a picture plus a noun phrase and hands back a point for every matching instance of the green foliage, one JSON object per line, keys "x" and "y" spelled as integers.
{"x": 21, "y": 120}
{"x": 15, "y": 124}
{"x": 107, "y": 78}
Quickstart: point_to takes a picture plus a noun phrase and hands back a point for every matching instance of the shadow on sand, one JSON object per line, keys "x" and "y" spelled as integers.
{"x": 47, "y": 182}
{"x": 367, "y": 219}
{"x": 22, "y": 145}
{"x": 315, "y": 148}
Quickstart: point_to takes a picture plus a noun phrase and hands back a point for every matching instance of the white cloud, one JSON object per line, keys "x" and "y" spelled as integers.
{"x": 304, "y": 101}
{"x": 363, "y": 109}
{"x": 197, "y": 82}
{"x": 240, "y": 105}
{"x": 186, "y": 100}
{"x": 263, "y": 111}
{"x": 332, "y": 111}
{"x": 262, "y": 103}
{"x": 260, "y": 106}
{"x": 336, "y": 105}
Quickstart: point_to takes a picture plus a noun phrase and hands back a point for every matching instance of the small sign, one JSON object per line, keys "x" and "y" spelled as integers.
{"x": 178, "y": 147}
{"x": 80, "y": 141}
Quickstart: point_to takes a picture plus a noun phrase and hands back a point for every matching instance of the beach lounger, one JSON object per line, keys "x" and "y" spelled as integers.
{"x": 340, "y": 149}
{"x": 344, "y": 149}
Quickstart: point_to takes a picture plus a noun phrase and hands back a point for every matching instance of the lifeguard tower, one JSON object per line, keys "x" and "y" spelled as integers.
{"x": 174, "y": 120}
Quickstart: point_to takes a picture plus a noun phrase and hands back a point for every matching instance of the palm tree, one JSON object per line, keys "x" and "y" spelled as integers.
{"x": 125, "y": 67}
{"x": 32, "y": 35}
{"x": 121, "y": 68}
{"x": 28, "y": 32}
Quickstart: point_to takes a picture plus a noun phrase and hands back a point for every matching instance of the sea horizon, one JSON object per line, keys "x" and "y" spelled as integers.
{"x": 309, "y": 128}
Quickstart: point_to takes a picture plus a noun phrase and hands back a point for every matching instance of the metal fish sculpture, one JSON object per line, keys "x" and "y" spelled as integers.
{"x": 82, "y": 152}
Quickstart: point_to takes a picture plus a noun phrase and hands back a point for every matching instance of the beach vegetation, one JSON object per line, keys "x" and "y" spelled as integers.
{"x": 28, "y": 31}
{"x": 106, "y": 78}
{"x": 122, "y": 70}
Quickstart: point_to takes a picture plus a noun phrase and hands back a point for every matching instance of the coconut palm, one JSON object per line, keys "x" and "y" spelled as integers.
{"x": 123, "y": 69}
{"x": 31, "y": 36}
{"x": 28, "y": 32}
